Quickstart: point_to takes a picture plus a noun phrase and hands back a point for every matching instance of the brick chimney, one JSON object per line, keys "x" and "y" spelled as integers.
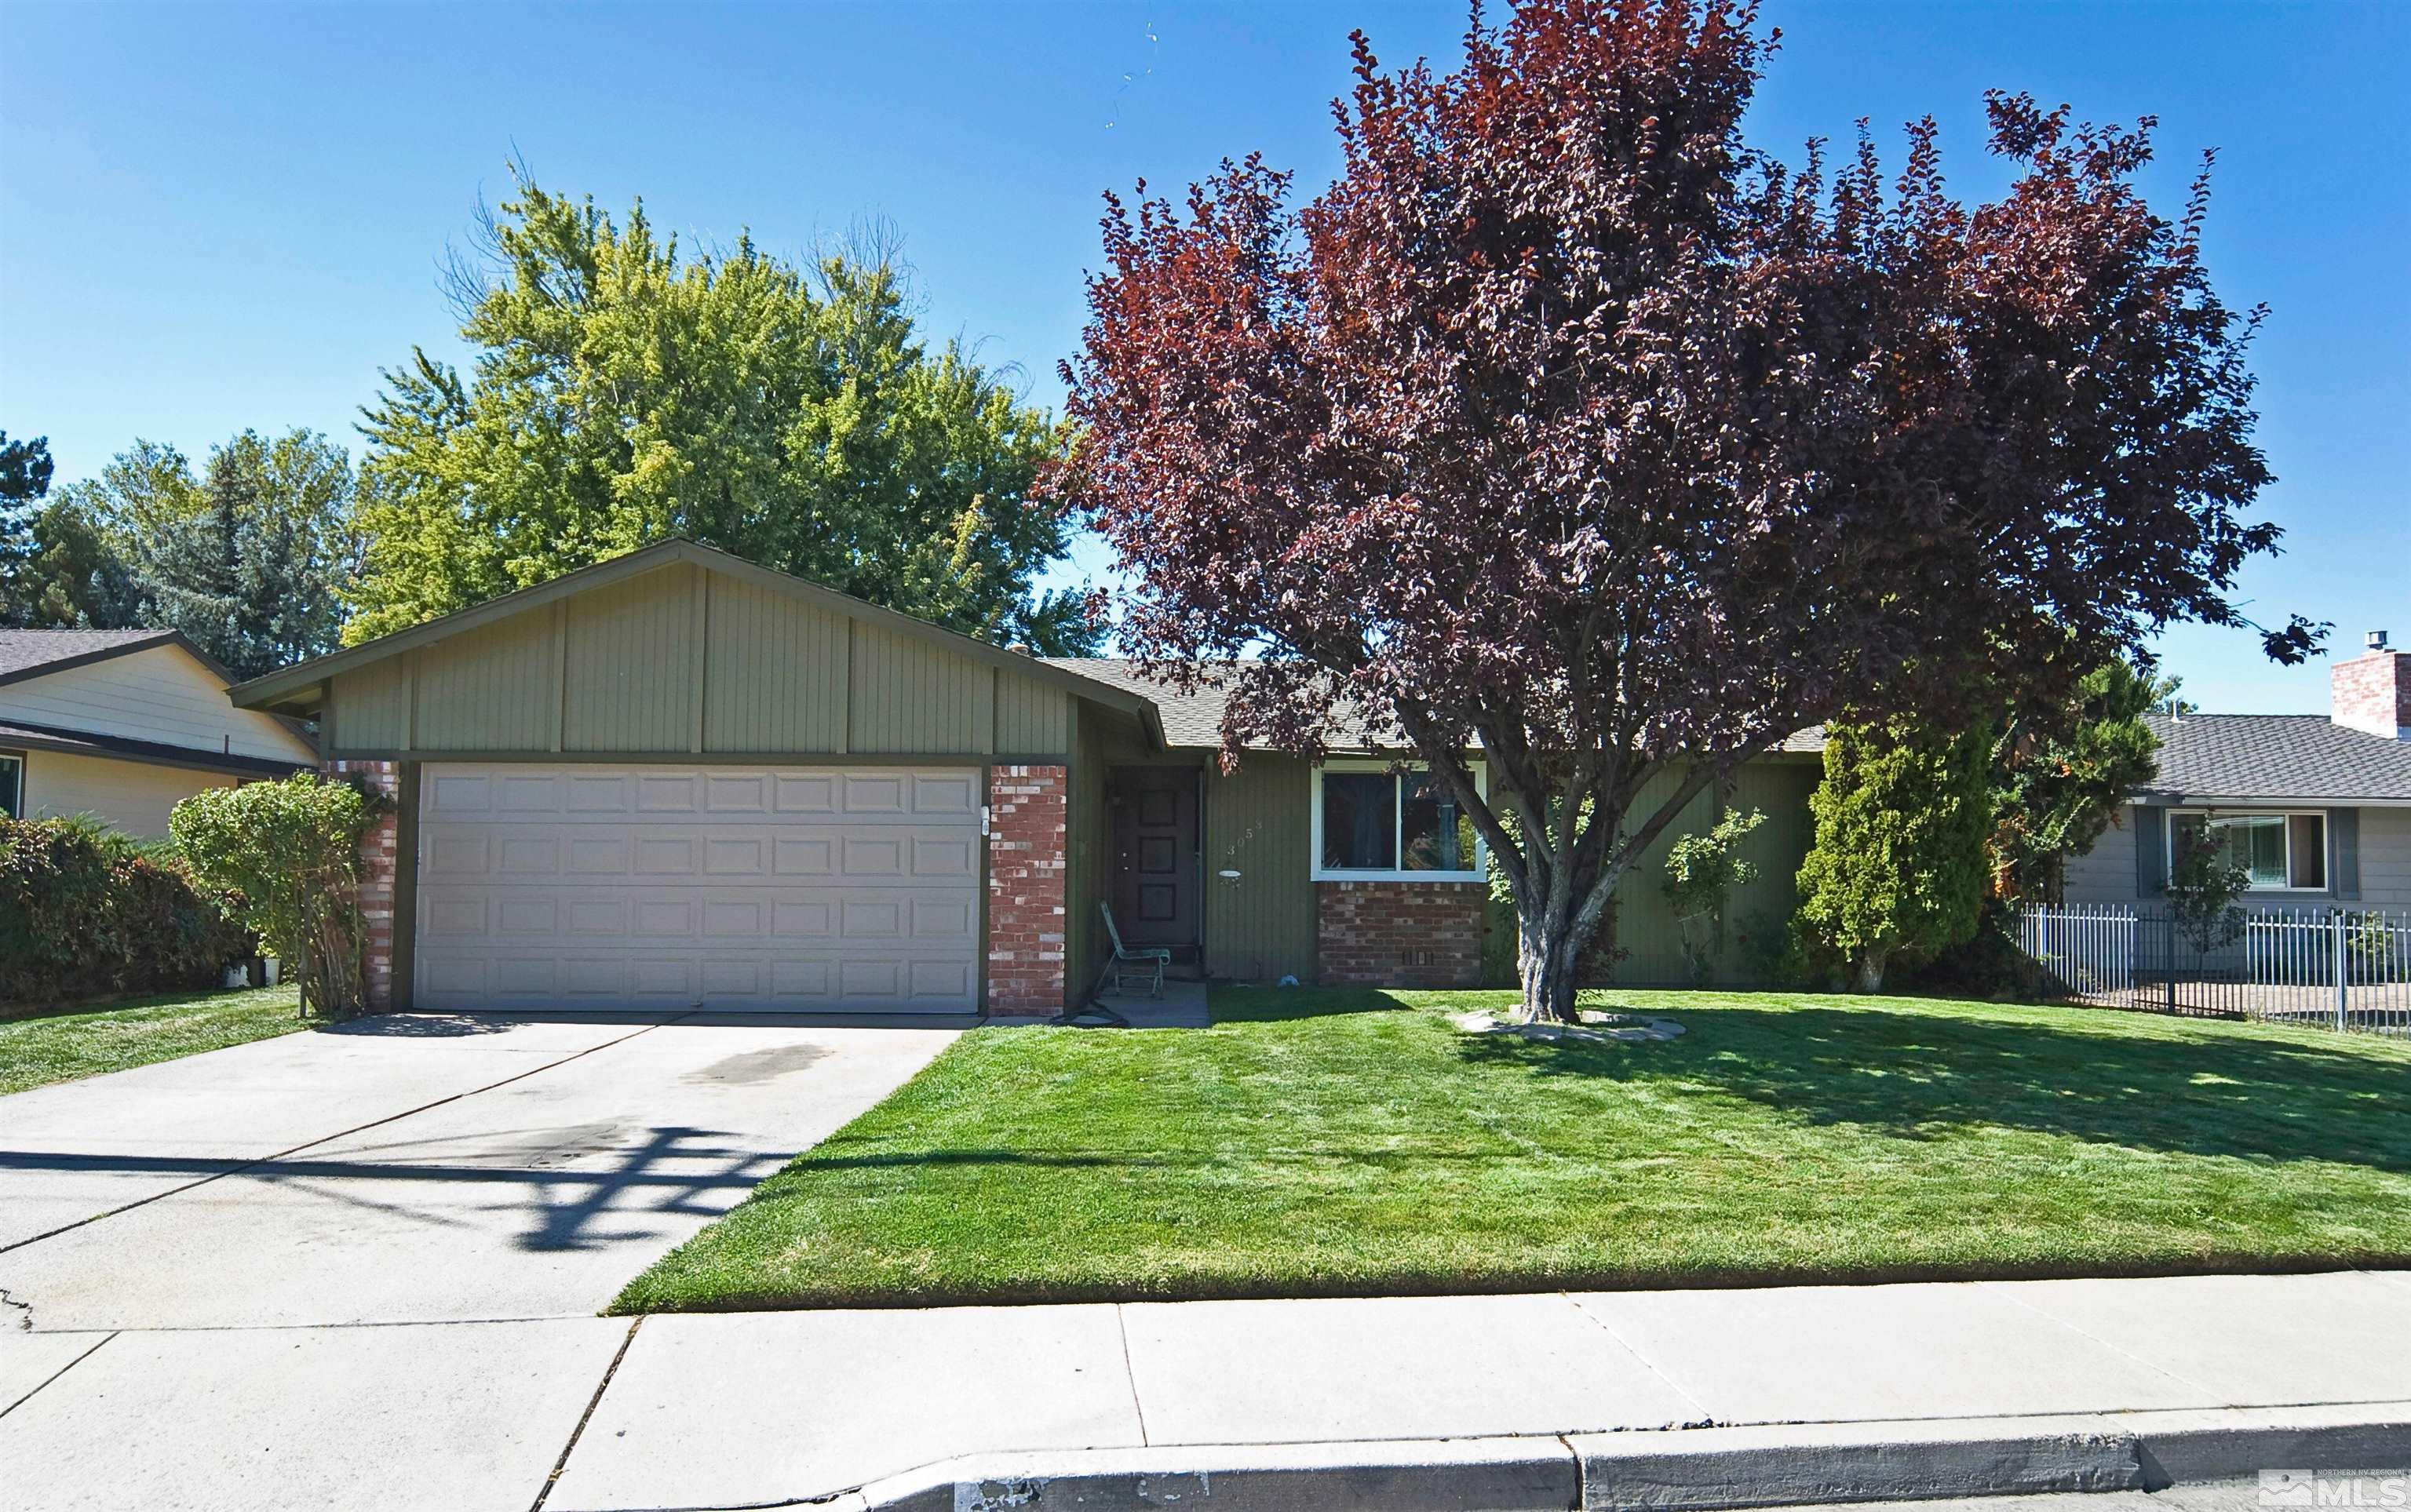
{"x": 2373, "y": 691}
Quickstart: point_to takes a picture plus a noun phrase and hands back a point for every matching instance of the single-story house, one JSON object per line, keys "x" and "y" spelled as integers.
{"x": 123, "y": 724}
{"x": 2316, "y": 808}
{"x": 678, "y": 779}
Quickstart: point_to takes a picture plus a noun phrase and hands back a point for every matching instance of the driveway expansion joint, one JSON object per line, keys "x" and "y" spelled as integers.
{"x": 588, "y": 1415}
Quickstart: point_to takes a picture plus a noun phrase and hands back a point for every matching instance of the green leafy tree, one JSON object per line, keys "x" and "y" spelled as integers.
{"x": 1896, "y": 872}
{"x": 141, "y": 491}
{"x": 284, "y": 859}
{"x": 624, "y": 391}
{"x": 2062, "y": 780}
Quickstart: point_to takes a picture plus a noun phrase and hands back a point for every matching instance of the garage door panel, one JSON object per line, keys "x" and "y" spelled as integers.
{"x": 655, "y": 888}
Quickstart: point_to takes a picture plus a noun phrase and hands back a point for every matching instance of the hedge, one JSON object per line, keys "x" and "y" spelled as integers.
{"x": 84, "y": 913}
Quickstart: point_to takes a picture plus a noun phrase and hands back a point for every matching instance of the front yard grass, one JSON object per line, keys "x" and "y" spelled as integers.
{"x": 61, "y": 1047}
{"x": 1359, "y": 1143}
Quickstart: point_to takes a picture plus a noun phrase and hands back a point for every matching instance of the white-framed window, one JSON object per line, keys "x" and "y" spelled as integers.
{"x": 1376, "y": 822}
{"x": 12, "y": 786}
{"x": 2280, "y": 851}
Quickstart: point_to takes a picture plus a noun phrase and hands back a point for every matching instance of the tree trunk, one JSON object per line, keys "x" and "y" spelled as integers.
{"x": 1871, "y": 971}
{"x": 1547, "y": 952}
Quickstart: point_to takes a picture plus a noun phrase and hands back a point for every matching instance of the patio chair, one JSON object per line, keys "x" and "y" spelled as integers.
{"x": 1145, "y": 964}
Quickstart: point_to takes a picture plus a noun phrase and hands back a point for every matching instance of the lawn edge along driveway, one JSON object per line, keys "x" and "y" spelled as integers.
{"x": 1358, "y": 1143}
{"x": 46, "y": 1048}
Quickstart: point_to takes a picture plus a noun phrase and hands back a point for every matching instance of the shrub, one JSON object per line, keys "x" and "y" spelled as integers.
{"x": 1701, "y": 871}
{"x": 1897, "y": 872}
{"x": 286, "y": 856}
{"x": 85, "y": 912}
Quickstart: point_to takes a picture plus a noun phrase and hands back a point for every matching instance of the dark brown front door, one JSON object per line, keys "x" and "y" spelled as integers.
{"x": 1155, "y": 854}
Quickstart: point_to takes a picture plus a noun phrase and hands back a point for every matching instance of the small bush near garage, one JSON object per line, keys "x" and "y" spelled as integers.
{"x": 285, "y": 858}
{"x": 85, "y": 913}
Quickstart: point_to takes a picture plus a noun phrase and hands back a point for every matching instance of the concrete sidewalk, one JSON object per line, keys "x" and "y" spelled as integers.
{"x": 1618, "y": 1399}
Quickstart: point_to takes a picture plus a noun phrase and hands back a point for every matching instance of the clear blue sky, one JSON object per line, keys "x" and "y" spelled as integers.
{"x": 213, "y": 217}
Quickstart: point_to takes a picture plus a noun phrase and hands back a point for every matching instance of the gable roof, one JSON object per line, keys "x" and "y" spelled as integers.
{"x": 302, "y": 684}
{"x": 2276, "y": 757}
{"x": 37, "y": 653}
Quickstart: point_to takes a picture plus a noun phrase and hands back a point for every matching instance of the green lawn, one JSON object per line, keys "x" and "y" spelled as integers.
{"x": 1327, "y": 1143}
{"x": 59, "y": 1047}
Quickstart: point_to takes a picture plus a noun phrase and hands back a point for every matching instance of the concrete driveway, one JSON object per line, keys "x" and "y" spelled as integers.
{"x": 410, "y": 1167}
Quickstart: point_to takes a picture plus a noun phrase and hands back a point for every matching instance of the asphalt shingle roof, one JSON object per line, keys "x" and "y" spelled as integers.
{"x": 1197, "y": 718}
{"x": 22, "y": 650}
{"x": 2276, "y": 756}
{"x": 2273, "y": 756}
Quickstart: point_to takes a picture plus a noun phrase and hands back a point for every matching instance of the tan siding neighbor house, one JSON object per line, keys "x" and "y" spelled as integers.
{"x": 122, "y": 725}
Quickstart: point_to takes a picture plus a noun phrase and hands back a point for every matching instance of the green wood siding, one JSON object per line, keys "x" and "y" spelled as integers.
{"x": 1031, "y": 717}
{"x": 489, "y": 690}
{"x": 1262, "y": 925}
{"x": 909, "y": 696}
{"x": 1087, "y": 854}
{"x": 683, "y": 659}
{"x": 1646, "y": 925}
{"x": 779, "y": 672}
{"x": 370, "y": 709}
{"x": 629, "y": 665}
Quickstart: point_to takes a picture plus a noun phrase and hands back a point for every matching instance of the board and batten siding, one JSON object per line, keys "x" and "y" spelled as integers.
{"x": 685, "y": 658}
{"x": 159, "y": 694}
{"x": 1646, "y": 926}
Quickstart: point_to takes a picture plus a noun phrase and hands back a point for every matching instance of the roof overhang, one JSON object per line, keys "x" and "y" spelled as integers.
{"x": 302, "y": 687}
{"x": 176, "y": 638}
{"x": 2230, "y": 800}
{"x": 17, "y": 736}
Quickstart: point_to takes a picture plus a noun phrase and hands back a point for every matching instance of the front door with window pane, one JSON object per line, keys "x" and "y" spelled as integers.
{"x": 1155, "y": 856}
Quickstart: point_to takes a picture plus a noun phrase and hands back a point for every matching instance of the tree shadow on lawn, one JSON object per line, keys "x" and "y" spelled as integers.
{"x": 1926, "y": 1077}
{"x": 1279, "y": 1005}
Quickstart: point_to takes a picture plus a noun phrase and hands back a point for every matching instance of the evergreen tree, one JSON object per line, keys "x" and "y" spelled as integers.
{"x": 250, "y": 560}
{"x": 251, "y": 574}
{"x": 1896, "y": 872}
{"x": 73, "y": 580}
{"x": 2062, "y": 777}
{"x": 24, "y": 478}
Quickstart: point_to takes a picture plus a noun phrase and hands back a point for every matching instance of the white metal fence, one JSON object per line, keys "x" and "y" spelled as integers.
{"x": 2342, "y": 968}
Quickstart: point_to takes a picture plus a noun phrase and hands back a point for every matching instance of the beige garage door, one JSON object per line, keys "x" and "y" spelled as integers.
{"x": 644, "y": 888}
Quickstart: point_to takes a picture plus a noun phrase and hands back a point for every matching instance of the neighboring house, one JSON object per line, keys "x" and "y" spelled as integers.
{"x": 2316, "y": 808}
{"x": 676, "y": 779}
{"x": 122, "y": 724}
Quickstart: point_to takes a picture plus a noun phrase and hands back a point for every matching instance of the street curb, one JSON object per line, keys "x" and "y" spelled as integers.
{"x": 1672, "y": 1470}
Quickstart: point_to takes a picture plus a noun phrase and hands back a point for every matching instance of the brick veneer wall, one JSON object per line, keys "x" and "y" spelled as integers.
{"x": 1400, "y": 933}
{"x": 2373, "y": 692}
{"x": 1026, "y": 878}
{"x": 380, "y": 850}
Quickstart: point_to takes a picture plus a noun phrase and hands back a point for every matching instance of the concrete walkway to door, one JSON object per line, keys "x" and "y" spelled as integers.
{"x": 411, "y": 1167}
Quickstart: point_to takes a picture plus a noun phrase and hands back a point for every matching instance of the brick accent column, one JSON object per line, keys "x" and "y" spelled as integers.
{"x": 380, "y": 850}
{"x": 1400, "y": 933}
{"x": 1025, "y": 879}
